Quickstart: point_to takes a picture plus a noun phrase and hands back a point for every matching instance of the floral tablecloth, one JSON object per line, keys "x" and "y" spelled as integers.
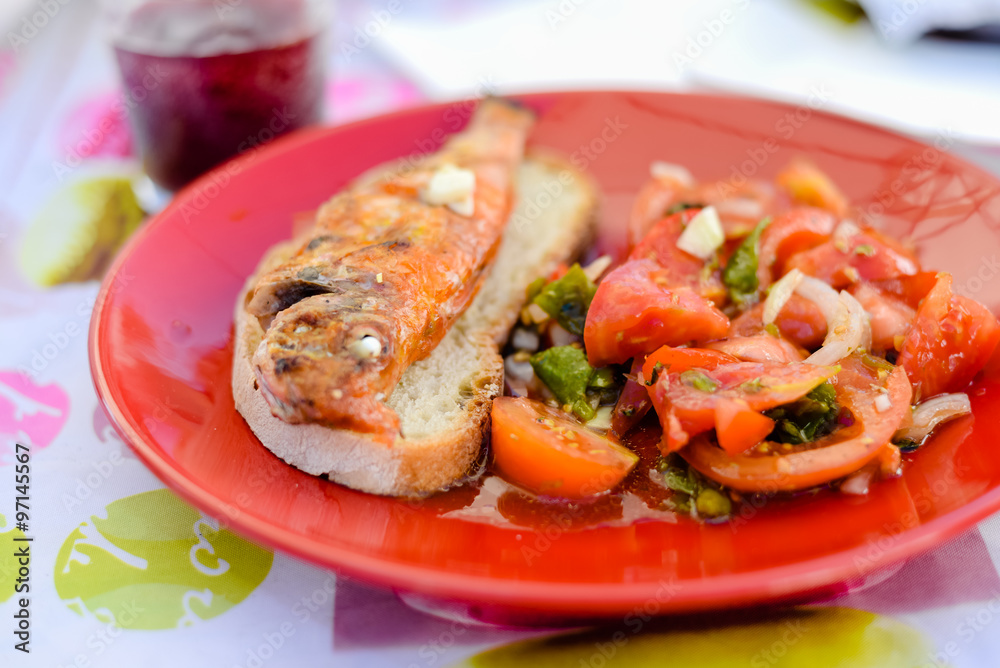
{"x": 123, "y": 573}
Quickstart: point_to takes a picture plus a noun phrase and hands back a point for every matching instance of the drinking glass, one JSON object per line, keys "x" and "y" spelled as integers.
{"x": 205, "y": 80}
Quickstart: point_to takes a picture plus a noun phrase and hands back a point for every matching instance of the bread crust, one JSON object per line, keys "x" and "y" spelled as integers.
{"x": 415, "y": 466}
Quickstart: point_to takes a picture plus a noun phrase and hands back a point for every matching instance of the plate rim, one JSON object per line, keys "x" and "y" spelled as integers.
{"x": 741, "y": 589}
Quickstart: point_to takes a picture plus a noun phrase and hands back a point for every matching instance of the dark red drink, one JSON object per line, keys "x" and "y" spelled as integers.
{"x": 204, "y": 84}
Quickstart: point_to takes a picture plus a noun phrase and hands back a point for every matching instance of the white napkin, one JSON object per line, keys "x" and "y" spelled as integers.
{"x": 929, "y": 88}
{"x": 774, "y": 48}
{"x": 902, "y": 21}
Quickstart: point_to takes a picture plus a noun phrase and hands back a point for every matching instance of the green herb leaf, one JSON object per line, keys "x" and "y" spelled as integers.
{"x": 803, "y": 421}
{"x": 698, "y": 380}
{"x": 583, "y": 410}
{"x": 602, "y": 378}
{"x": 655, "y": 374}
{"x": 865, "y": 249}
{"x": 690, "y": 489}
{"x": 876, "y": 363}
{"x": 713, "y": 504}
{"x": 678, "y": 481}
{"x": 740, "y": 274}
{"x": 535, "y": 287}
{"x": 565, "y": 370}
{"x": 567, "y": 299}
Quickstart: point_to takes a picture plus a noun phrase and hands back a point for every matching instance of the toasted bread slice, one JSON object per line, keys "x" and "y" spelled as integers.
{"x": 443, "y": 400}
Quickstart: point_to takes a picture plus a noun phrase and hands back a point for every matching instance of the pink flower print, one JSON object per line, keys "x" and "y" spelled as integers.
{"x": 30, "y": 414}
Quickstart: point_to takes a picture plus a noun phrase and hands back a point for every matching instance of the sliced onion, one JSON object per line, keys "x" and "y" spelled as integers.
{"x": 933, "y": 412}
{"x": 883, "y": 403}
{"x": 859, "y": 314}
{"x": 780, "y": 293}
{"x": 521, "y": 370}
{"x": 602, "y": 419}
{"x": 845, "y": 231}
{"x": 594, "y": 270}
{"x": 740, "y": 207}
{"x": 524, "y": 339}
{"x": 668, "y": 171}
{"x": 848, "y": 326}
{"x": 558, "y": 336}
{"x": 537, "y": 313}
{"x": 858, "y": 482}
{"x": 517, "y": 376}
{"x": 821, "y": 294}
{"x": 703, "y": 235}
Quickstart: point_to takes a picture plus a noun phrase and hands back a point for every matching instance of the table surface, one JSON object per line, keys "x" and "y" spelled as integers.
{"x": 116, "y": 575}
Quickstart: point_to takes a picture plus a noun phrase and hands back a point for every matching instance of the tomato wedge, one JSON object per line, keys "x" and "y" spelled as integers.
{"x": 800, "y": 321}
{"x": 740, "y": 207}
{"x": 690, "y": 397}
{"x": 835, "y": 456}
{"x": 635, "y": 311}
{"x": 790, "y": 233}
{"x": 759, "y": 348}
{"x": 950, "y": 341}
{"x": 547, "y": 452}
{"x": 867, "y": 255}
{"x": 651, "y": 204}
{"x": 675, "y": 360}
{"x": 678, "y": 267}
{"x": 738, "y": 427}
{"x": 890, "y": 317}
{"x": 908, "y": 289}
{"x": 807, "y": 184}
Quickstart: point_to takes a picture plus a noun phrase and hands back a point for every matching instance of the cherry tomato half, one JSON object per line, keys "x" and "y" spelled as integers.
{"x": 841, "y": 453}
{"x": 950, "y": 341}
{"x": 548, "y": 452}
{"x": 635, "y": 311}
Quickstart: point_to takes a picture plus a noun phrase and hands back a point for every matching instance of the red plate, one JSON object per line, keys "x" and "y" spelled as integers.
{"x": 161, "y": 345}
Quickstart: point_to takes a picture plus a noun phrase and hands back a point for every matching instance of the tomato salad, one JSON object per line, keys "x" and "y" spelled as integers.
{"x": 780, "y": 345}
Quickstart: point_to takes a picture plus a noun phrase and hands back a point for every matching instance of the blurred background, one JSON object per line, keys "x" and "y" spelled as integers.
{"x": 71, "y": 74}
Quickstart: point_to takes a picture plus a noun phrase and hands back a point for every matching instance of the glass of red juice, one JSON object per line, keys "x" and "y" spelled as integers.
{"x": 206, "y": 80}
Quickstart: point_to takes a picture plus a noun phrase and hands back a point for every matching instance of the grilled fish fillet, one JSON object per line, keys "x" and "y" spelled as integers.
{"x": 443, "y": 401}
{"x": 381, "y": 277}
